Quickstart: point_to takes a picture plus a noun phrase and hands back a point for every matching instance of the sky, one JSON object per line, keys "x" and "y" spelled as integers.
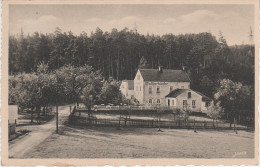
{"x": 234, "y": 21}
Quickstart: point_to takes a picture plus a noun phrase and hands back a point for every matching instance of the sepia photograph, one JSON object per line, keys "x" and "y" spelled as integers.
{"x": 115, "y": 81}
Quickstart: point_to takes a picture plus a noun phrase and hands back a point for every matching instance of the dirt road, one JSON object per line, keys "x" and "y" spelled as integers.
{"x": 20, "y": 146}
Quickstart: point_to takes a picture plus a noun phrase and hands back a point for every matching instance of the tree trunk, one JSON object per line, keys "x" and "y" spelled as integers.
{"x": 117, "y": 77}
{"x": 38, "y": 110}
{"x": 44, "y": 110}
{"x": 31, "y": 115}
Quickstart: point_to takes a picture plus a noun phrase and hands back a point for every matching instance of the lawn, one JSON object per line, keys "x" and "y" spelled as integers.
{"x": 109, "y": 142}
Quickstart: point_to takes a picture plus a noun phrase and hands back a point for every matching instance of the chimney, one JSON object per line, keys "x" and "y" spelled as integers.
{"x": 160, "y": 68}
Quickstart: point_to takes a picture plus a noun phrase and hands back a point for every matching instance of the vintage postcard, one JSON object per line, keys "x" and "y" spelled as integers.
{"x": 130, "y": 82}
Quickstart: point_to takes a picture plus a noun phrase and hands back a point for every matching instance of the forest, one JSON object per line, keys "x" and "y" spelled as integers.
{"x": 118, "y": 54}
{"x": 220, "y": 71}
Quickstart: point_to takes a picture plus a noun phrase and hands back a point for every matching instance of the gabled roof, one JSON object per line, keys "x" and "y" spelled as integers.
{"x": 204, "y": 98}
{"x": 167, "y": 75}
{"x": 130, "y": 84}
{"x": 176, "y": 92}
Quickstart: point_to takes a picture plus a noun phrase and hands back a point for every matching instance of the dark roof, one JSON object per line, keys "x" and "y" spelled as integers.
{"x": 204, "y": 98}
{"x": 166, "y": 75}
{"x": 175, "y": 93}
{"x": 130, "y": 84}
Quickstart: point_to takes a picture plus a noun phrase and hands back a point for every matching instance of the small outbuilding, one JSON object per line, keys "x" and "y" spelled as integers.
{"x": 189, "y": 100}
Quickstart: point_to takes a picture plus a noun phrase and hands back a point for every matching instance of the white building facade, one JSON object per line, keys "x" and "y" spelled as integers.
{"x": 152, "y": 85}
{"x": 127, "y": 89}
{"x": 165, "y": 88}
{"x": 188, "y": 99}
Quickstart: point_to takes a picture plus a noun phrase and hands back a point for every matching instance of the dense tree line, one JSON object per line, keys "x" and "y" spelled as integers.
{"x": 117, "y": 54}
{"x": 211, "y": 64}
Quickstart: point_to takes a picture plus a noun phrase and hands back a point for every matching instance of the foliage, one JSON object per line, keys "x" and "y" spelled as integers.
{"x": 143, "y": 64}
{"x": 71, "y": 61}
{"x": 74, "y": 79}
{"x": 91, "y": 92}
{"x": 215, "y": 111}
{"x": 110, "y": 93}
{"x": 118, "y": 54}
{"x": 234, "y": 97}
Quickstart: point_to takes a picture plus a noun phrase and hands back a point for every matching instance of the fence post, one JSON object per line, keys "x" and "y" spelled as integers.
{"x": 234, "y": 124}
{"x": 204, "y": 124}
{"x": 236, "y": 127}
{"x": 179, "y": 121}
{"x": 194, "y": 126}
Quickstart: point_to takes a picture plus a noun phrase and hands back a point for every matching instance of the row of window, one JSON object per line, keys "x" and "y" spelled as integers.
{"x": 158, "y": 101}
{"x": 158, "y": 88}
{"x": 170, "y": 101}
{"x": 185, "y": 102}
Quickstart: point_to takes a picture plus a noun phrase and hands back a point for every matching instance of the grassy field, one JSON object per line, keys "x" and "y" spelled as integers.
{"x": 102, "y": 142}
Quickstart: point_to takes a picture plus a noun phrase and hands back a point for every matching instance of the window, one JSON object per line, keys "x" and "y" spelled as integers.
{"x": 173, "y": 102}
{"x": 184, "y": 102}
{"x": 138, "y": 77}
{"x": 182, "y": 87}
{"x": 193, "y": 102}
{"x": 132, "y": 96}
{"x": 169, "y": 101}
{"x": 171, "y": 88}
{"x": 136, "y": 88}
{"x": 158, "y": 101}
{"x": 150, "y": 101}
{"x": 189, "y": 95}
{"x": 207, "y": 104}
{"x": 150, "y": 89}
{"x": 158, "y": 89}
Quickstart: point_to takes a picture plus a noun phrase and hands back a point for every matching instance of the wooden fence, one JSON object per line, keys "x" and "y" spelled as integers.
{"x": 139, "y": 108}
{"x": 182, "y": 124}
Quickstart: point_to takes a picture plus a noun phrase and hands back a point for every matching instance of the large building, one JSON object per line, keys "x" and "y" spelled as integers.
{"x": 164, "y": 87}
{"x": 152, "y": 85}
